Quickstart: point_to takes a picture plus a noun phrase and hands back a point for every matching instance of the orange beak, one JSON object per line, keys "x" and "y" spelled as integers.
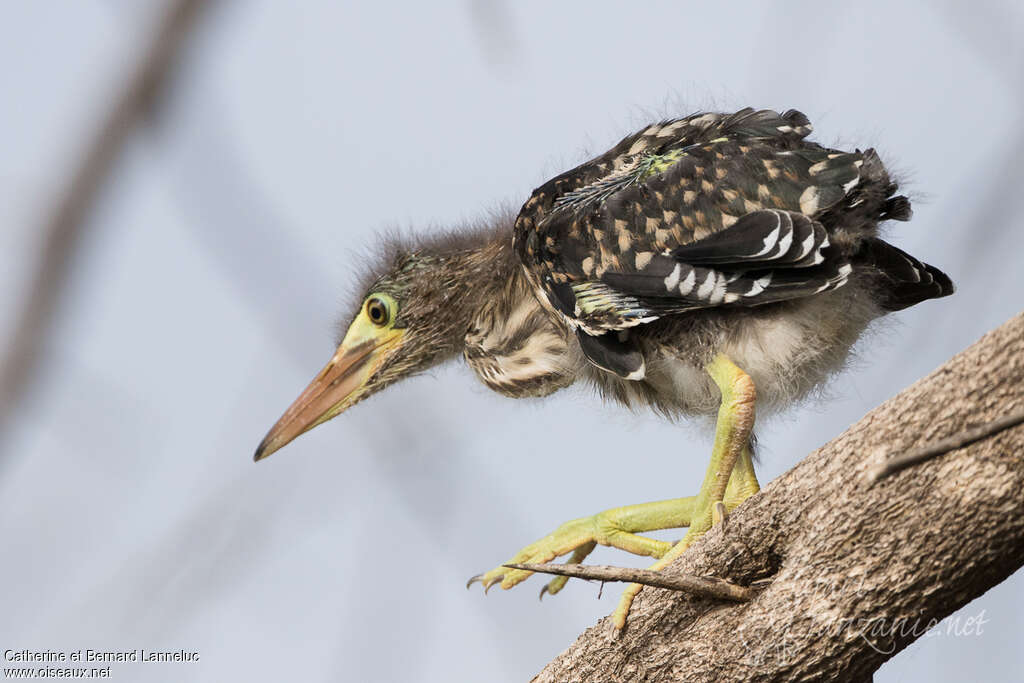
{"x": 344, "y": 380}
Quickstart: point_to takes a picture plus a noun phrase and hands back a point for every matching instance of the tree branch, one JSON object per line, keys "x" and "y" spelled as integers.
{"x": 891, "y": 466}
{"x": 66, "y": 224}
{"x": 857, "y": 570}
{"x": 705, "y": 586}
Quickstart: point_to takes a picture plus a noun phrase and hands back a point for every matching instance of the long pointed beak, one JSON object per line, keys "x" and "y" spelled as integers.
{"x": 340, "y": 384}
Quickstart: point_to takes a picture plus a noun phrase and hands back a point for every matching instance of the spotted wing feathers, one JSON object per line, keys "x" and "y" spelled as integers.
{"x": 705, "y": 211}
{"x": 599, "y": 190}
{"x": 759, "y": 238}
{"x": 657, "y": 147}
{"x": 764, "y": 257}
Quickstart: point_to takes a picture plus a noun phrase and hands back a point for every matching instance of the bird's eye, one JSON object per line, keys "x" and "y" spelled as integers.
{"x": 377, "y": 311}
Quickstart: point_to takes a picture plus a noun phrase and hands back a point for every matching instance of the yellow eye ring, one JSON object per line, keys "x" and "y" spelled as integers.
{"x": 377, "y": 311}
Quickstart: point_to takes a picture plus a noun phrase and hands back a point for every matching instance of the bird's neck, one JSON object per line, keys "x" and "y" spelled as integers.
{"x": 494, "y": 319}
{"x": 460, "y": 276}
{"x": 480, "y": 279}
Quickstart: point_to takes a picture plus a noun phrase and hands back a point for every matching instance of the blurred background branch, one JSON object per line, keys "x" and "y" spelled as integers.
{"x": 64, "y": 229}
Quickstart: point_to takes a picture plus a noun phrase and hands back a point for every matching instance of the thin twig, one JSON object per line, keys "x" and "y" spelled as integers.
{"x": 950, "y": 443}
{"x": 64, "y": 225}
{"x": 703, "y": 586}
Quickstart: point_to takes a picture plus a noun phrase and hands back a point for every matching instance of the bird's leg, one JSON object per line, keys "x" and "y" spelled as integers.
{"x": 618, "y": 527}
{"x": 731, "y": 452}
{"x": 730, "y": 480}
{"x": 742, "y": 484}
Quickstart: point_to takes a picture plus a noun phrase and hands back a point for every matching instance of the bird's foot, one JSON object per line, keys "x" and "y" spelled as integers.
{"x": 633, "y": 589}
{"x": 742, "y": 484}
{"x": 618, "y": 527}
{"x": 728, "y": 482}
{"x": 719, "y": 513}
{"x": 730, "y": 477}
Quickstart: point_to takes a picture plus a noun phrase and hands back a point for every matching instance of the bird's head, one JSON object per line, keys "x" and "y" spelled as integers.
{"x": 414, "y": 314}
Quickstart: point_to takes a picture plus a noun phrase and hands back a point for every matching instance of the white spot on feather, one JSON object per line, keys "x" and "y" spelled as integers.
{"x": 785, "y": 242}
{"x": 759, "y": 285}
{"x": 809, "y": 201}
{"x": 686, "y": 286}
{"x": 673, "y": 278}
{"x": 806, "y": 246}
{"x": 772, "y": 238}
{"x": 637, "y": 374}
{"x": 703, "y": 119}
{"x": 718, "y": 293}
{"x": 624, "y": 241}
{"x": 640, "y": 145}
{"x": 818, "y": 167}
{"x": 706, "y": 287}
{"x": 671, "y": 129}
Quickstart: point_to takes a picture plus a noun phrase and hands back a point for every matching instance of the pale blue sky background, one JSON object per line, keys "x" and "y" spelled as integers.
{"x": 131, "y": 515}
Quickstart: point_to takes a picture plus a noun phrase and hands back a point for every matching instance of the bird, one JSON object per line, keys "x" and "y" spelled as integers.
{"x": 713, "y": 265}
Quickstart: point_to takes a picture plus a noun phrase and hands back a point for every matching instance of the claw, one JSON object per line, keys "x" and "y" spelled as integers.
{"x": 617, "y": 527}
{"x": 719, "y": 514}
{"x": 486, "y": 583}
{"x": 555, "y": 585}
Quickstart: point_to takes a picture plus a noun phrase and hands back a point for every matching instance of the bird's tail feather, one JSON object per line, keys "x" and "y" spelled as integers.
{"x": 902, "y": 280}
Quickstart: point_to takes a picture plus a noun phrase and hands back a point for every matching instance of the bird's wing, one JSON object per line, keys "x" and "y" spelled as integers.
{"x": 710, "y": 210}
{"x": 767, "y": 255}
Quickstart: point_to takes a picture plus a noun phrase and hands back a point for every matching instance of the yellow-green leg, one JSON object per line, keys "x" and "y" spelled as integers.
{"x": 743, "y": 483}
{"x": 667, "y": 514}
{"x": 731, "y": 452}
{"x": 730, "y": 480}
{"x": 618, "y": 527}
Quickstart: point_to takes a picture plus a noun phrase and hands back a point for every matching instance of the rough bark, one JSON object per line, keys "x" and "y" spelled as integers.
{"x": 857, "y": 571}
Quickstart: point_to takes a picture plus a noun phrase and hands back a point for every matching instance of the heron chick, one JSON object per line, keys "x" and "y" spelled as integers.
{"x": 706, "y": 264}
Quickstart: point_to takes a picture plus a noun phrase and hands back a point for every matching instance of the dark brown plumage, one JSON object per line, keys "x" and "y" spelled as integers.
{"x": 694, "y": 261}
{"x": 577, "y": 289}
{"x": 598, "y": 244}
